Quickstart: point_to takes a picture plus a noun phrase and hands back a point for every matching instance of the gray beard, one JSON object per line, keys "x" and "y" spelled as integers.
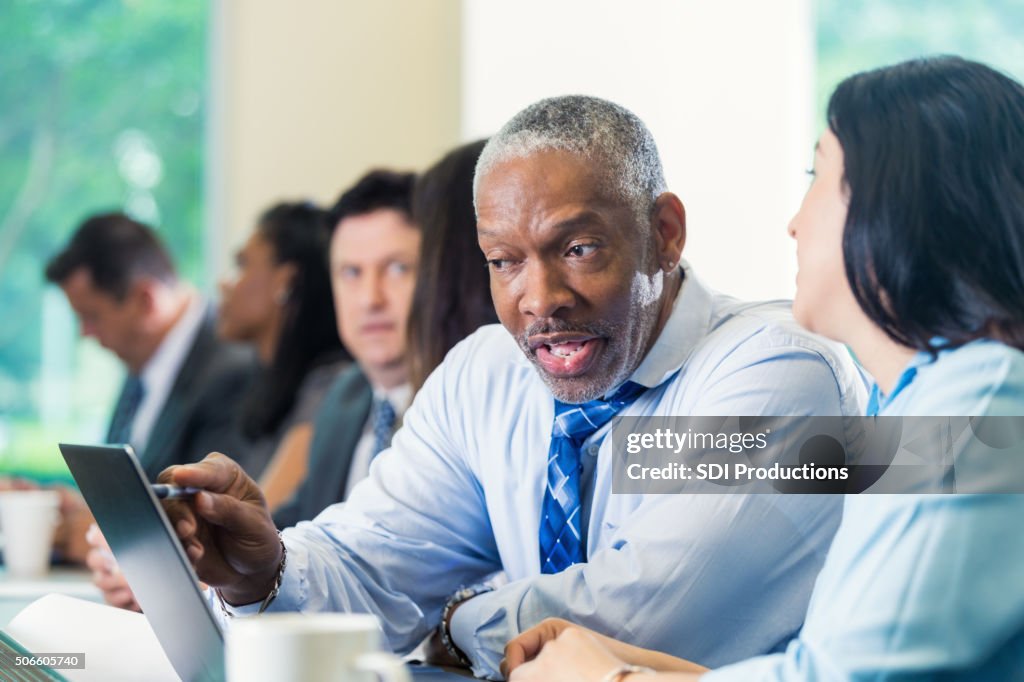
{"x": 624, "y": 351}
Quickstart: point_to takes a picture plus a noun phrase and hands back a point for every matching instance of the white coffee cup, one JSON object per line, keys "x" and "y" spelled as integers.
{"x": 28, "y": 519}
{"x": 320, "y": 647}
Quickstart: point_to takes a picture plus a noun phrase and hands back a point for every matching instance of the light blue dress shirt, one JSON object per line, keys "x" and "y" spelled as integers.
{"x": 920, "y": 587}
{"x": 458, "y": 497}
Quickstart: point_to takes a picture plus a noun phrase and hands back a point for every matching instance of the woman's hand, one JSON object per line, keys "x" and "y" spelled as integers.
{"x": 528, "y": 644}
{"x": 558, "y": 651}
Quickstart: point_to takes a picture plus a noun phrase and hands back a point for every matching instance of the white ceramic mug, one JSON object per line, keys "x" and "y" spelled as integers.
{"x": 28, "y": 519}
{"x": 318, "y": 647}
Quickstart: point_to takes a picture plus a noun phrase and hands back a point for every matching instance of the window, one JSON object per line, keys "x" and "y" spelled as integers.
{"x": 102, "y": 108}
{"x": 854, "y": 35}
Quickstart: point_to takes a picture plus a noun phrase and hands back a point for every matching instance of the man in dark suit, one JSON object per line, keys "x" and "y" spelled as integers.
{"x": 374, "y": 253}
{"x": 200, "y": 415}
{"x": 178, "y": 399}
{"x": 337, "y": 428}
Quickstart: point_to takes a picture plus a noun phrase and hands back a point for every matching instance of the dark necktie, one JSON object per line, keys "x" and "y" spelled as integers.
{"x": 383, "y": 426}
{"x": 561, "y": 543}
{"x": 120, "y": 430}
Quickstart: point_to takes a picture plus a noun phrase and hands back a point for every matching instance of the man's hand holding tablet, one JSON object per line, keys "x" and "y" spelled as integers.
{"x": 226, "y": 529}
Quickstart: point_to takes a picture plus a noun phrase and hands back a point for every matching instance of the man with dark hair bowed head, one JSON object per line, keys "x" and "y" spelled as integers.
{"x": 503, "y": 464}
{"x": 178, "y": 399}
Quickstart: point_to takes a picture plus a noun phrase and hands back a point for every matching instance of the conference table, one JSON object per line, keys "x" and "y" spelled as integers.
{"x": 17, "y": 593}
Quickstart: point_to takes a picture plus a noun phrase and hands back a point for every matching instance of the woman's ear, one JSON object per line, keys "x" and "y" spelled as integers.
{"x": 284, "y": 282}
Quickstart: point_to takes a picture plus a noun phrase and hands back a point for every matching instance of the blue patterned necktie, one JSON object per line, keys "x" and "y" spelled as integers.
{"x": 561, "y": 543}
{"x": 120, "y": 430}
{"x": 383, "y": 425}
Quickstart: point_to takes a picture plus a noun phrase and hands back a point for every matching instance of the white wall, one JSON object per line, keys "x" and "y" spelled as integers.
{"x": 725, "y": 87}
{"x": 308, "y": 95}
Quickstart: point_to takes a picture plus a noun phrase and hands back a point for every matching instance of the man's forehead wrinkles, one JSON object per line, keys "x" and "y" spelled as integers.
{"x": 555, "y": 224}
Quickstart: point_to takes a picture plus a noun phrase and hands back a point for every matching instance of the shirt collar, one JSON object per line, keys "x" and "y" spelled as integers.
{"x": 687, "y": 324}
{"x": 878, "y": 401}
{"x": 163, "y": 366}
{"x": 400, "y": 397}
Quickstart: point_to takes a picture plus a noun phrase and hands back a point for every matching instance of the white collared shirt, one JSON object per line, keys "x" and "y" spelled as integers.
{"x": 399, "y": 397}
{"x": 159, "y": 374}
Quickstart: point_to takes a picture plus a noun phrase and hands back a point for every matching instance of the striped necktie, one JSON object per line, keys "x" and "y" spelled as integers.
{"x": 384, "y": 418}
{"x": 561, "y": 542}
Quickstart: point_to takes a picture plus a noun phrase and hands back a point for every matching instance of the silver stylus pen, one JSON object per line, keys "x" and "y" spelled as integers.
{"x": 165, "y": 491}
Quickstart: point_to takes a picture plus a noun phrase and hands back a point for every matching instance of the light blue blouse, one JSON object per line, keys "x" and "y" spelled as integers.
{"x": 920, "y": 587}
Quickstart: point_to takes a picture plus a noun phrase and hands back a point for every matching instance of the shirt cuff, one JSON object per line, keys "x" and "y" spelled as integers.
{"x": 289, "y": 596}
{"x": 473, "y": 616}
{"x": 223, "y": 612}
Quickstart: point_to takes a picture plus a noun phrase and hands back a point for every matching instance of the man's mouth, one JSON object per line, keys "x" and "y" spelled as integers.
{"x": 563, "y": 355}
{"x": 377, "y": 328}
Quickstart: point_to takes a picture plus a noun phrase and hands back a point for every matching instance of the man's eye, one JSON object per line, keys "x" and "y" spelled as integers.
{"x": 582, "y": 250}
{"x": 499, "y": 264}
{"x": 396, "y": 268}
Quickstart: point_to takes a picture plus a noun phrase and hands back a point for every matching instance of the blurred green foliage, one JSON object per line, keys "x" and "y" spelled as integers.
{"x": 101, "y": 108}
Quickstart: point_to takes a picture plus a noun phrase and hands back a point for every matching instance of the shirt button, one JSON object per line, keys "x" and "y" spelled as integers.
{"x": 593, "y": 450}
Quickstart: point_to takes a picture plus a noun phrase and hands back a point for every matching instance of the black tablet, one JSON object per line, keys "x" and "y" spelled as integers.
{"x": 152, "y": 560}
{"x": 150, "y": 556}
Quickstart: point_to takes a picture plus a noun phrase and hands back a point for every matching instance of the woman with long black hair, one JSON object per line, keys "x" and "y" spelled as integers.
{"x": 280, "y": 301}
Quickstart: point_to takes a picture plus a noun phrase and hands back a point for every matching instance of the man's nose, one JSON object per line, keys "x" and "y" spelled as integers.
{"x": 545, "y": 291}
{"x": 372, "y": 292}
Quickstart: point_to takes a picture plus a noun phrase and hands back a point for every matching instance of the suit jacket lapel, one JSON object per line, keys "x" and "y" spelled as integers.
{"x": 335, "y": 441}
{"x": 117, "y": 409}
{"x": 165, "y": 438}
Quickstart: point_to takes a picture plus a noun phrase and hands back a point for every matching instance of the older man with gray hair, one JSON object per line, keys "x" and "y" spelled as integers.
{"x": 503, "y": 464}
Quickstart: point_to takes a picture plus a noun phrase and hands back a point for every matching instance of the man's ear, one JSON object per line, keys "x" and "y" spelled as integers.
{"x": 669, "y": 224}
{"x": 141, "y": 296}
